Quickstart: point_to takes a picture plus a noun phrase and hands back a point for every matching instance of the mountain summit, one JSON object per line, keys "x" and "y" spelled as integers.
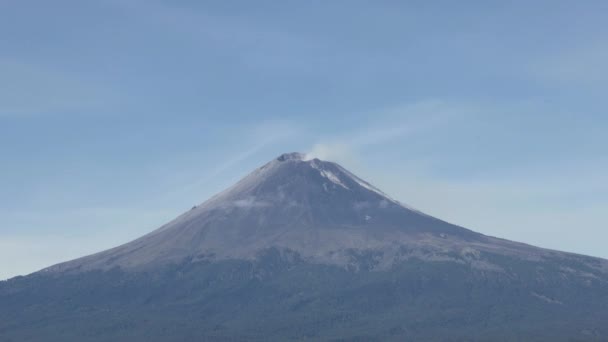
{"x": 312, "y": 207}
{"x": 302, "y": 249}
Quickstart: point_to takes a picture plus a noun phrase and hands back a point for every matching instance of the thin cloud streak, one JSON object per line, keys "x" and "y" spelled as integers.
{"x": 396, "y": 123}
{"x": 263, "y": 135}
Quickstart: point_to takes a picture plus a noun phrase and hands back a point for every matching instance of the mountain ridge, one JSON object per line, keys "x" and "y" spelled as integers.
{"x": 315, "y": 208}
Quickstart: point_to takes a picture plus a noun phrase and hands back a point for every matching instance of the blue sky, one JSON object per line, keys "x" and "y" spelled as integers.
{"x": 116, "y": 116}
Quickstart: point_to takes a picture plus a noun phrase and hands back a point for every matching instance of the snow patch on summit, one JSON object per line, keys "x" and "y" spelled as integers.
{"x": 329, "y": 175}
{"x": 333, "y": 178}
{"x": 372, "y": 188}
{"x": 366, "y": 185}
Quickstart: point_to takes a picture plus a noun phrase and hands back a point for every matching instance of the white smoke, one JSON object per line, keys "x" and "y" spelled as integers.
{"x": 336, "y": 152}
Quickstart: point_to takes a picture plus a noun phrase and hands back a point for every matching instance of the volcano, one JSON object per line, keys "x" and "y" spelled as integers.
{"x": 303, "y": 249}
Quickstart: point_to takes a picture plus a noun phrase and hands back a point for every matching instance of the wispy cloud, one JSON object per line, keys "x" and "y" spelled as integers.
{"x": 256, "y": 137}
{"x": 388, "y": 126}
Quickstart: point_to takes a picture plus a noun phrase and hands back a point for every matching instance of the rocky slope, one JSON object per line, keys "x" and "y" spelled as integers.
{"x": 314, "y": 208}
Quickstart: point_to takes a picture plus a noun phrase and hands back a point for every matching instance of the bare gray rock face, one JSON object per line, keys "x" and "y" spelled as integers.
{"x": 320, "y": 211}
